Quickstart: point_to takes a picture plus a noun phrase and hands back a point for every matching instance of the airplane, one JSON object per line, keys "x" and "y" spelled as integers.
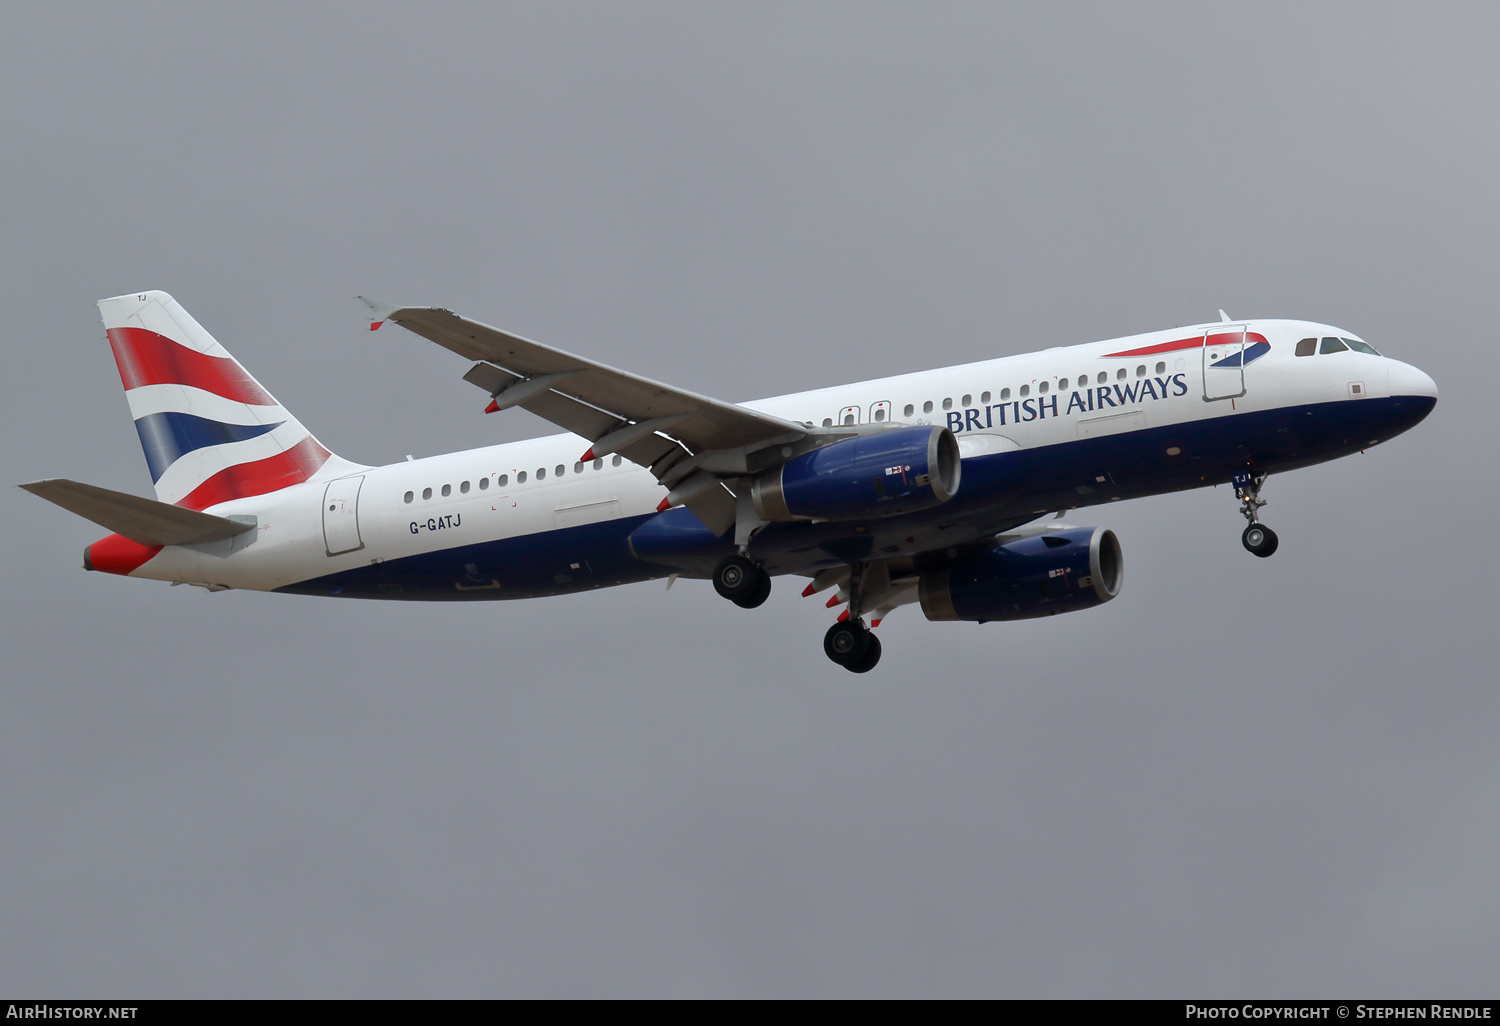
{"x": 926, "y": 488}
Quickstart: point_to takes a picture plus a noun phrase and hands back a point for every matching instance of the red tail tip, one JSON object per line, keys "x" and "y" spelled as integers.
{"x": 665, "y": 505}
{"x": 809, "y": 589}
{"x": 117, "y": 555}
{"x": 493, "y": 406}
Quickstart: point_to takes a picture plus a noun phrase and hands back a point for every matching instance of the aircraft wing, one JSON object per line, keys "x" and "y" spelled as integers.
{"x": 698, "y": 421}
{"x": 618, "y": 411}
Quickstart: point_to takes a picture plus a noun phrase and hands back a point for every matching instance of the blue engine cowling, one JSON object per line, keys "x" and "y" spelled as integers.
{"x": 899, "y": 470}
{"x": 1041, "y": 575}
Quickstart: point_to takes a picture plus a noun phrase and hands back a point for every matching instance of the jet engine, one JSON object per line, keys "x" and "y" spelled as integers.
{"x": 899, "y": 470}
{"x": 1040, "y": 575}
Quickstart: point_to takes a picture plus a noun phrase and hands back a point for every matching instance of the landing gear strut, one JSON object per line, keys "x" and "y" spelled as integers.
{"x": 1258, "y": 539}
{"x": 742, "y": 582}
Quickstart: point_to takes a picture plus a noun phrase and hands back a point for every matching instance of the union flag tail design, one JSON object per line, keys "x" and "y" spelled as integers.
{"x": 210, "y": 432}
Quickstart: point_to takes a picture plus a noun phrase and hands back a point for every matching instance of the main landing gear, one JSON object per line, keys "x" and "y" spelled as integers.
{"x": 852, "y": 645}
{"x": 1258, "y": 539}
{"x": 742, "y": 582}
{"x": 849, "y": 643}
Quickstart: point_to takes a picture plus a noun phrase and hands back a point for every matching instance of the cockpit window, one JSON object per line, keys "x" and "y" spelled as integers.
{"x": 1360, "y": 347}
{"x": 1307, "y": 347}
{"x": 1332, "y": 345}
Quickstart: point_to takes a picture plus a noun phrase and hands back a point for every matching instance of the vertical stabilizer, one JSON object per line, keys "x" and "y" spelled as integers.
{"x": 210, "y": 432}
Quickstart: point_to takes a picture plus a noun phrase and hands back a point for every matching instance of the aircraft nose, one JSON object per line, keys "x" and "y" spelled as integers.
{"x": 1408, "y": 380}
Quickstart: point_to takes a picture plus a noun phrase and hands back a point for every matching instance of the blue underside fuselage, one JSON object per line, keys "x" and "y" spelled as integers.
{"x": 998, "y": 492}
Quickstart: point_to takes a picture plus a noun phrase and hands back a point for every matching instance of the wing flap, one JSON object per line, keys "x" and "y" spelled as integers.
{"x": 146, "y": 521}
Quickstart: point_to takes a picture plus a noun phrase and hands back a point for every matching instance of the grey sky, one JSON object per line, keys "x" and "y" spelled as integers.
{"x": 1242, "y": 777}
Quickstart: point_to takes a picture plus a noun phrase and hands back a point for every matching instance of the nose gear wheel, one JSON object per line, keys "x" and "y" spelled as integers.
{"x": 1259, "y": 540}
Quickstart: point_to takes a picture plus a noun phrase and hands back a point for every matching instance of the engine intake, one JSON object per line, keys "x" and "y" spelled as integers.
{"x": 1041, "y": 575}
{"x": 883, "y": 474}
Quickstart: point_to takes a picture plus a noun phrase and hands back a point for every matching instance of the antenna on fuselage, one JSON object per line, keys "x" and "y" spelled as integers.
{"x": 1223, "y": 317}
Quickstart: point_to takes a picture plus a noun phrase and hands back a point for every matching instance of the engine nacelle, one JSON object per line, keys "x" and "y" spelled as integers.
{"x": 899, "y": 470}
{"x": 1041, "y": 575}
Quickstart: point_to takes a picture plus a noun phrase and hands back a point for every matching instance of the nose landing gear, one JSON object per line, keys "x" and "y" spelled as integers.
{"x": 1258, "y": 539}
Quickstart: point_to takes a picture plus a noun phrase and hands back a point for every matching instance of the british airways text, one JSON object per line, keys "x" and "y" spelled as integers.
{"x": 1084, "y": 400}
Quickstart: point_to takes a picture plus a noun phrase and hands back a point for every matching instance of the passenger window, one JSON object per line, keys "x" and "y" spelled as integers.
{"x": 599, "y": 464}
{"x": 1062, "y": 386}
{"x": 464, "y": 488}
{"x": 560, "y": 470}
{"x": 828, "y": 422}
{"x": 447, "y": 490}
{"x": 1104, "y": 376}
{"x": 968, "y": 400}
{"x": 484, "y": 483}
{"x": 985, "y": 398}
{"x": 521, "y": 477}
{"x": 426, "y": 493}
{"x": 879, "y": 416}
{"x": 1120, "y": 374}
{"x": 1307, "y": 347}
{"x": 1332, "y": 345}
{"x": 1004, "y": 394}
{"x": 1161, "y": 368}
{"x": 1025, "y": 390}
{"x": 1042, "y": 388}
{"x": 615, "y": 462}
{"x": 408, "y": 497}
{"x": 1140, "y": 371}
{"x": 541, "y": 473}
{"x": 578, "y": 468}
{"x": 947, "y": 404}
{"x": 1361, "y": 347}
{"x": 927, "y": 406}
{"x": 503, "y": 480}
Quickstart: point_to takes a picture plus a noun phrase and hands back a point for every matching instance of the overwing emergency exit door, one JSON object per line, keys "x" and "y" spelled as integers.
{"x": 341, "y": 515}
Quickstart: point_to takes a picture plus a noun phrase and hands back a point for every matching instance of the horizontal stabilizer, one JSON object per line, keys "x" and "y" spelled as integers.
{"x": 146, "y": 521}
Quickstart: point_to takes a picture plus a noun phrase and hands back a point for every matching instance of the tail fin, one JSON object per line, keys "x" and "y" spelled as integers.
{"x": 210, "y": 432}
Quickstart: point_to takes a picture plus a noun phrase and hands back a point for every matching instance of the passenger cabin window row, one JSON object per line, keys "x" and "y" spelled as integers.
{"x": 502, "y": 480}
{"x": 850, "y": 414}
{"x": 1334, "y": 345}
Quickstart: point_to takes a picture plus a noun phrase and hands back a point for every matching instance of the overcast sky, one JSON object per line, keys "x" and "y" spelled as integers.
{"x": 1243, "y": 777}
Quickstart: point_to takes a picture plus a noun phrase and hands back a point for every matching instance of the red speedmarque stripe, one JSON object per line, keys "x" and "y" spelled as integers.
{"x": 146, "y": 358}
{"x": 271, "y": 474}
{"x": 1223, "y": 338}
